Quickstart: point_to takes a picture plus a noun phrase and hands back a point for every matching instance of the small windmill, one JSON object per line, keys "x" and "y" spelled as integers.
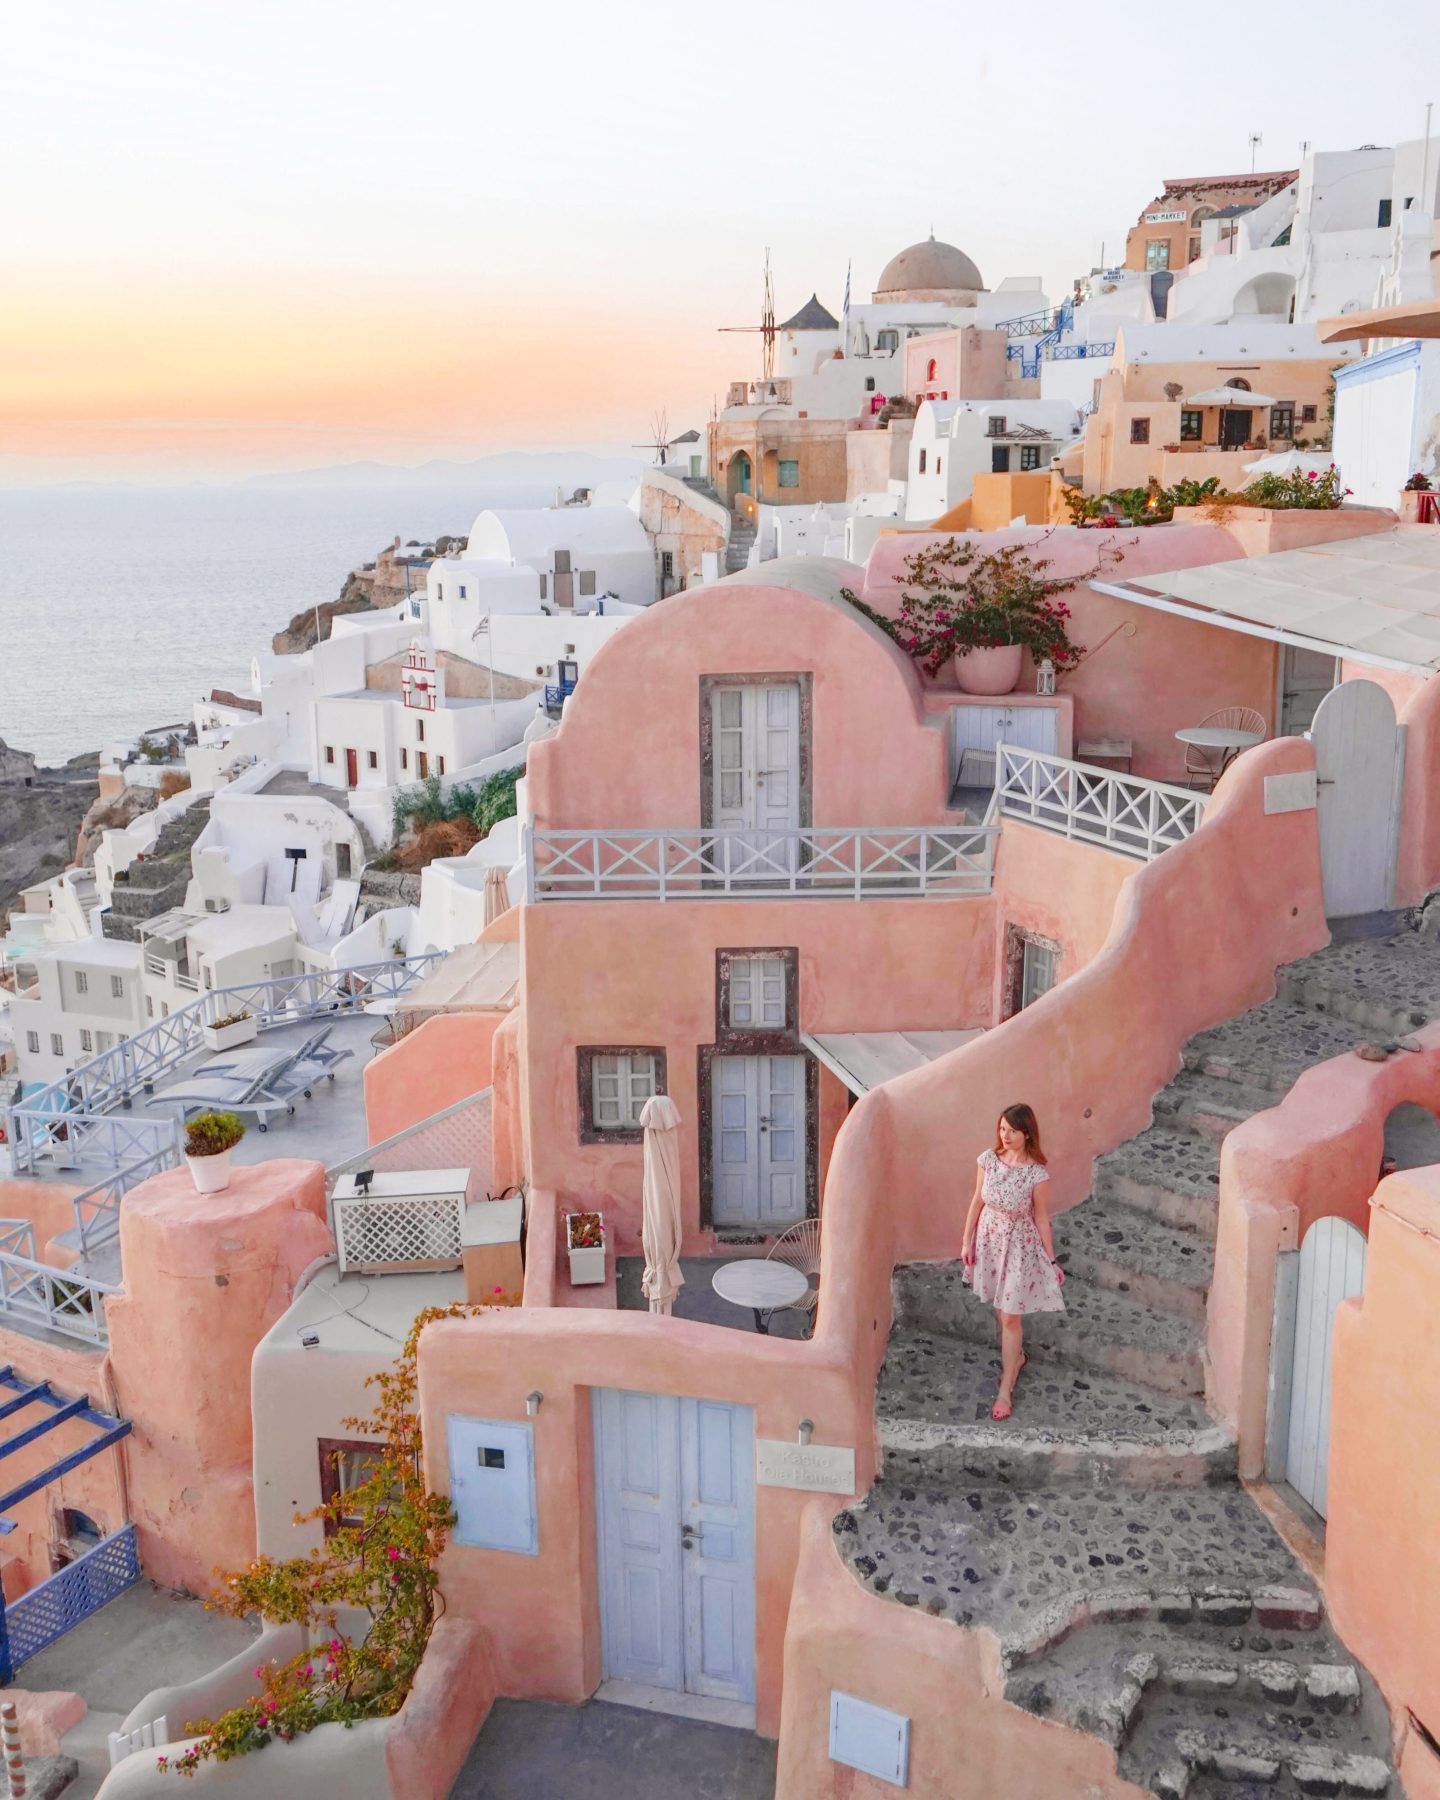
{"x": 766, "y": 327}
{"x": 660, "y": 439}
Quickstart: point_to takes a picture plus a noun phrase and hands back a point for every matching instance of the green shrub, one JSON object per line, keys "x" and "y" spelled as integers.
{"x": 208, "y": 1133}
{"x": 496, "y": 800}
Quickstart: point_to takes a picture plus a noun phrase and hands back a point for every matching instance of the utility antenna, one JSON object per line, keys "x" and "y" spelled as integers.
{"x": 766, "y": 327}
{"x": 660, "y": 441}
{"x": 1256, "y": 139}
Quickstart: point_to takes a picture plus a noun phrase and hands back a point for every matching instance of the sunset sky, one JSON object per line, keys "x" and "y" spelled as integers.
{"x": 288, "y": 233}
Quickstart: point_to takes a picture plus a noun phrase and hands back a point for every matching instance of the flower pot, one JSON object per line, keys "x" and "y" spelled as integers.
{"x": 587, "y": 1261}
{"x": 211, "y": 1174}
{"x": 994, "y": 671}
{"x": 226, "y": 1037}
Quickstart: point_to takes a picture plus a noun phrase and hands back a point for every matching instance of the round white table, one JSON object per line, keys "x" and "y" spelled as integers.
{"x": 1229, "y": 740}
{"x": 759, "y": 1284}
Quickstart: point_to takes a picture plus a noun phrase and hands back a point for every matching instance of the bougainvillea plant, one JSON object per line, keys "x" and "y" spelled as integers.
{"x": 587, "y": 1230}
{"x": 958, "y": 598}
{"x": 379, "y": 1560}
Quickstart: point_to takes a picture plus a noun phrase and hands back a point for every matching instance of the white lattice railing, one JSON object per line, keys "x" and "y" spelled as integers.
{"x": 810, "y": 862}
{"x": 1123, "y": 812}
{"x": 390, "y": 1233}
{"x": 69, "y": 1124}
{"x": 32, "y": 1293}
{"x": 97, "y": 1210}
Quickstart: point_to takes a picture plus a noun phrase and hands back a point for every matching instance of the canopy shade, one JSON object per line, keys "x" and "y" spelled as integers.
{"x": 1418, "y": 319}
{"x": 1228, "y": 396}
{"x": 864, "y": 1059}
{"x": 1374, "y": 599}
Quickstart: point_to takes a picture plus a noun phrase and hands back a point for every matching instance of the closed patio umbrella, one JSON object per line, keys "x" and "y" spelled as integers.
{"x": 660, "y": 1217}
{"x": 497, "y": 893}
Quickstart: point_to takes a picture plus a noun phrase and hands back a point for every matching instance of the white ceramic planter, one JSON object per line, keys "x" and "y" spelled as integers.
{"x": 226, "y": 1037}
{"x": 587, "y": 1265}
{"x": 994, "y": 671}
{"x": 211, "y": 1174}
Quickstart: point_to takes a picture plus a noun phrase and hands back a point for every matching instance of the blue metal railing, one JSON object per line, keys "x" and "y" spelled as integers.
{"x": 66, "y": 1599}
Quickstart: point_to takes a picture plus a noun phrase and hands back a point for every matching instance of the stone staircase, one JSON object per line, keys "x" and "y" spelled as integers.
{"x": 737, "y": 551}
{"x": 1101, "y": 1532}
{"x": 159, "y": 882}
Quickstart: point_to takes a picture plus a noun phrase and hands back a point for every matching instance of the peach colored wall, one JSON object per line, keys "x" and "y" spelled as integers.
{"x": 445, "y": 1059}
{"x": 628, "y": 749}
{"x": 644, "y": 973}
{"x": 966, "y": 1742}
{"x": 213, "y": 1273}
{"x": 1156, "y": 673}
{"x": 1418, "y": 864}
{"x": 47, "y": 1206}
{"x": 1382, "y": 1549}
{"x": 97, "y": 1487}
{"x": 454, "y": 1688}
{"x": 1065, "y": 891}
{"x": 1313, "y": 1156}
{"x": 874, "y": 458}
{"x": 1263, "y": 530}
{"x": 1254, "y": 879}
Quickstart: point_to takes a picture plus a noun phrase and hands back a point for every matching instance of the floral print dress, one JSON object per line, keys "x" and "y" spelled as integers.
{"x": 1012, "y": 1271}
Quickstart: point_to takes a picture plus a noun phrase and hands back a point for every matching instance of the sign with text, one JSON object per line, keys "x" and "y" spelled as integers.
{"x": 1166, "y": 218}
{"x": 818, "y": 1468}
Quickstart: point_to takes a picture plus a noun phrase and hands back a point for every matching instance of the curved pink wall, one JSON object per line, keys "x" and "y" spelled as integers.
{"x": 205, "y": 1278}
{"x": 1062, "y": 889}
{"x": 1418, "y": 864}
{"x": 1313, "y": 1156}
{"x": 628, "y": 749}
{"x": 1145, "y": 683}
{"x": 444, "y": 1060}
{"x": 1382, "y": 1548}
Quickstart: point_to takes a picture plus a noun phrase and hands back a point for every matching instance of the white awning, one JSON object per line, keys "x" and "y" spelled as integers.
{"x": 865, "y": 1059}
{"x": 1374, "y": 599}
{"x": 1229, "y": 396}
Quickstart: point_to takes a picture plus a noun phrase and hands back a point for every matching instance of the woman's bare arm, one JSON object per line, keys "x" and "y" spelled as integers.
{"x": 1040, "y": 1195}
{"x": 972, "y": 1219}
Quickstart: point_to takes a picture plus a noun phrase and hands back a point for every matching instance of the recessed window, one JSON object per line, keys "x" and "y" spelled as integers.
{"x": 1139, "y": 431}
{"x": 345, "y": 1465}
{"x": 117, "y": 987}
{"x": 930, "y": 369}
{"x": 87, "y": 1042}
{"x": 440, "y": 764}
{"x": 667, "y": 565}
{"x": 57, "y": 1044}
{"x": 404, "y": 758}
{"x": 32, "y": 1042}
{"x": 82, "y": 982}
{"x": 614, "y": 1086}
{"x": 938, "y": 464}
{"x": 789, "y": 472}
{"x": 869, "y": 384}
{"x": 149, "y": 1007}
{"x": 995, "y": 425}
{"x": 420, "y": 731}
{"x": 1029, "y": 456}
{"x": 1282, "y": 420}
{"x": 1308, "y": 415}
{"x": 329, "y": 753}
{"x": 757, "y": 994}
{"x": 1157, "y": 254}
{"x": 1190, "y": 426}
{"x": 887, "y": 340}
{"x": 462, "y": 590}
{"x": 922, "y": 462}
{"x": 587, "y": 581}
{"x": 1382, "y": 218}
{"x": 373, "y": 759}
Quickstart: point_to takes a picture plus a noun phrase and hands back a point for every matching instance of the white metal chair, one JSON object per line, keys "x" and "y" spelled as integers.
{"x": 800, "y": 1247}
{"x": 1203, "y": 766}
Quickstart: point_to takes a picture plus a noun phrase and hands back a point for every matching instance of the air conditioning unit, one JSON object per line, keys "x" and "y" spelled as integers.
{"x": 217, "y": 906}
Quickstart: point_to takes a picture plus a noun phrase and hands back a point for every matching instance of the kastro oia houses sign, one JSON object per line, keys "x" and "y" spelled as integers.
{"x": 817, "y": 1468}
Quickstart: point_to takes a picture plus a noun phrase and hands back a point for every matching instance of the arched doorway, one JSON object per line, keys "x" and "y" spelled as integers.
{"x": 739, "y": 476}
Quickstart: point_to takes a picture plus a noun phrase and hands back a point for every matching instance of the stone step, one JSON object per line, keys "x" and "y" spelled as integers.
{"x": 1110, "y": 1244}
{"x": 1172, "y": 1175}
{"x": 1208, "y": 1107}
{"x": 1245, "y": 1756}
{"x": 1039, "y": 1565}
{"x": 1099, "y": 1329}
{"x": 1271, "y": 1046}
{"x": 1388, "y": 987}
{"x": 933, "y": 1404}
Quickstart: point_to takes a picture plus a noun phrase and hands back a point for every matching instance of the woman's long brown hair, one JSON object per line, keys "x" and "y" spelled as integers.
{"x": 1021, "y": 1118}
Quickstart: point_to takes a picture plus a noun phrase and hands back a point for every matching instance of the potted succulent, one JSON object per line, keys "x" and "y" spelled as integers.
{"x": 235, "y": 1028}
{"x": 585, "y": 1246}
{"x": 209, "y": 1139}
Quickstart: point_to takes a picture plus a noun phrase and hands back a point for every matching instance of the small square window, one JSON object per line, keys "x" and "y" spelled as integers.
{"x": 587, "y": 581}
{"x": 489, "y": 1458}
{"x": 789, "y": 472}
{"x": 995, "y": 425}
{"x": 869, "y": 384}
{"x": 117, "y": 987}
{"x": 1190, "y": 426}
{"x": 757, "y": 993}
{"x": 1029, "y": 456}
{"x": 1139, "y": 431}
{"x": 32, "y": 1042}
{"x": 344, "y": 1466}
{"x": 82, "y": 982}
{"x": 329, "y": 753}
{"x": 374, "y": 759}
{"x": 614, "y": 1086}
{"x": 1308, "y": 415}
{"x": 1282, "y": 420}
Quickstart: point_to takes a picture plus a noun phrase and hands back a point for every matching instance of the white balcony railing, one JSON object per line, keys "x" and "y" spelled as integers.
{"x": 811, "y": 862}
{"x": 32, "y": 1294}
{"x": 1123, "y": 812}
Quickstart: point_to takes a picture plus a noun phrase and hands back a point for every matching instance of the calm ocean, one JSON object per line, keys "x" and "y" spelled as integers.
{"x": 118, "y": 608}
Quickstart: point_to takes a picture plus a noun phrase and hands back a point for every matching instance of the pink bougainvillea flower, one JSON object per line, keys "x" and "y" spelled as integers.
{"x": 392, "y": 1552}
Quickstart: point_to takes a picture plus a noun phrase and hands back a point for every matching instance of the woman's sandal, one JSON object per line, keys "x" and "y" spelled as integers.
{"x": 1002, "y": 1409}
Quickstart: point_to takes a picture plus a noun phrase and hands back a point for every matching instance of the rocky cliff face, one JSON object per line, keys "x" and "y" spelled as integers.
{"x": 299, "y": 634}
{"x": 40, "y": 821}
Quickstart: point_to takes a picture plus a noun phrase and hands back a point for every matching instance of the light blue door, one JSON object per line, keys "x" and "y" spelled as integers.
{"x": 676, "y": 1524}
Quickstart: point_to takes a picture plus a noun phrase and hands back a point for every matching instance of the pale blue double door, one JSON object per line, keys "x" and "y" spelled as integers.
{"x": 675, "y": 1501}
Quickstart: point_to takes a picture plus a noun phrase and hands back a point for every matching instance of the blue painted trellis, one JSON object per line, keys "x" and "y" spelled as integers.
{"x": 69, "y": 1596}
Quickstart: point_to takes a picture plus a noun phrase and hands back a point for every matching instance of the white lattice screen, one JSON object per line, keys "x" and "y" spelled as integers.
{"x": 419, "y": 1231}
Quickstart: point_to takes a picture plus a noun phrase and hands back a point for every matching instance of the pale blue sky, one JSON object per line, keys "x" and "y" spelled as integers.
{"x": 279, "y": 234}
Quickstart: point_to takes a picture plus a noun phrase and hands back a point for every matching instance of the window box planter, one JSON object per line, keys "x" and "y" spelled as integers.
{"x": 585, "y": 1246}
{"x": 226, "y": 1037}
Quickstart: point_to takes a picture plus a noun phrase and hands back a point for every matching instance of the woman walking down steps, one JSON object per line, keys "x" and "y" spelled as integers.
{"x": 1007, "y": 1251}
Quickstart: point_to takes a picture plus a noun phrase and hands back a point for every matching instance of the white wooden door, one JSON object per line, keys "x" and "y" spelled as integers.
{"x": 981, "y": 728}
{"x": 1330, "y": 1268}
{"x": 1306, "y": 676}
{"x": 1359, "y": 761}
{"x": 755, "y": 740}
{"x": 758, "y": 1141}
{"x": 675, "y": 1516}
